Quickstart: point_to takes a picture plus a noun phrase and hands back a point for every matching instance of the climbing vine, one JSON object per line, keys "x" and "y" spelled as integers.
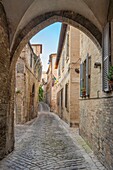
{"x": 40, "y": 94}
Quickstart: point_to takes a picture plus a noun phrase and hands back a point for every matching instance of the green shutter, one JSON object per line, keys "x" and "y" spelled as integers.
{"x": 106, "y": 56}
{"x": 81, "y": 78}
{"x": 87, "y": 75}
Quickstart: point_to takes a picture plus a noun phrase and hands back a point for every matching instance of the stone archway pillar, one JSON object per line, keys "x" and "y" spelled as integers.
{"x": 112, "y": 41}
{"x": 4, "y": 83}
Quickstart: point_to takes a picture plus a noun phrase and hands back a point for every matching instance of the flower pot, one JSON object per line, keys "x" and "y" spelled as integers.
{"x": 84, "y": 93}
{"x": 111, "y": 85}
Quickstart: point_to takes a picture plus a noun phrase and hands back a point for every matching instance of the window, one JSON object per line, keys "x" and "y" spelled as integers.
{"x": 66, "y": 96}
{"x": 31, "y": 60}
{"x": 85, "y": 74}
{"x": 106, "y": 55}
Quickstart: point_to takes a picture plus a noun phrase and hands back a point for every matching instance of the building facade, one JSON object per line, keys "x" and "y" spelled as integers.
{"x": 27, "y": 74}
{"x": 68, "y": 58}
{"x": 52, "y": 77}
{"x": 44, "y": 84}
{"x": 93, "y": 91}
{"x": 96, "y": 106}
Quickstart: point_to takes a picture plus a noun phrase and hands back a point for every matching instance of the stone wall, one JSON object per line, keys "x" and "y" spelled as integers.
{"x": 63, "y": 112}
{"x": 19, "y": 92}
{"x": 51, "y": 97}
{"x": 96, "y": 111}
{"x": 96, "y": 127}
{"x": 74, "y": 77}
{"x": 32, "y": 108}
{"x": 27, "y": 85}
{"x": 68, "y": 76}
{"x": 6, "y": 125}
{"x": 44, "y": 84}
{"x": 54, "y": 77}
{"x": 49, "y": 87}
{"x": 10, "y": 116}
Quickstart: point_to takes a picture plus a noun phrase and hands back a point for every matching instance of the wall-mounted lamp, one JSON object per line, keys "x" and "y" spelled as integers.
{"x": 97, "y": 64}
{"x": 77, "y": 70}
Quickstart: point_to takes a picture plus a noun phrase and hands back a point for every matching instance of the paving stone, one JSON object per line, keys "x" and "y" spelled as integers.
{"x": 49, "y": 144}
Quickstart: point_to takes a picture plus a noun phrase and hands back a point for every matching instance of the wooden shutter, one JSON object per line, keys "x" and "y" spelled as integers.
{"x": 87, "y": 75}
{"x": 81, "y": 78}
{"x": 106, "y": 56}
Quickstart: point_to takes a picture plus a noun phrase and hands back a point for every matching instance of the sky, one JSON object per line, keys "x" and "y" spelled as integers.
{"x": 49, "y": 38}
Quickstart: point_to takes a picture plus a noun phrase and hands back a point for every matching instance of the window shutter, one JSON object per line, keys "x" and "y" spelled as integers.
{"x": 81, "y": 78}
{"x": 106, "y": 56}
{"x": 87, "y": 75}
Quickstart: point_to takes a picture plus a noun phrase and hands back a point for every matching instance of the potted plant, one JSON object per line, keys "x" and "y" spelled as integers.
{"x": 83, "y": 90}
{"x": 110, "y": 77}
{"x": 18, "y": 92}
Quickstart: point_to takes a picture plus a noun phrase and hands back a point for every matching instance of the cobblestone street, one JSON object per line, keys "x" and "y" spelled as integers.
{"x": 47, "y": 143}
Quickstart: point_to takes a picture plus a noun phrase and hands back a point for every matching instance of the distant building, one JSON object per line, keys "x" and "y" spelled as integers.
{"x": 52, "y": 77}
{"x": 44, "y": 84}
{"x": 28, "y": 73}
{"x": 68, "y": 58}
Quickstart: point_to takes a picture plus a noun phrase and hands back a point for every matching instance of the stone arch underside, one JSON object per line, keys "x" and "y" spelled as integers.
{"x": 42, "y": 21}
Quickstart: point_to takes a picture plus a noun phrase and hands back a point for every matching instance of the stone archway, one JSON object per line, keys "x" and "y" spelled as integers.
{"x": 6, "y": 100}
{"x": 21, "y": 38}
{"x": 42, "y": 21}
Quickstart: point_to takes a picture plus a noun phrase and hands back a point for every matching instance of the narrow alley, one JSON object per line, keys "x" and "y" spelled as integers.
{"x": 48, "y": 143}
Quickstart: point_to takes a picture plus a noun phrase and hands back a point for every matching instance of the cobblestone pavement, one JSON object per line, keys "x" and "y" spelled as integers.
{"x": 47, "y": 143}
